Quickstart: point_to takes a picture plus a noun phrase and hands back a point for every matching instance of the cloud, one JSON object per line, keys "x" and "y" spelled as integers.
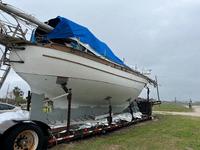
{"x": 12, "y": 81}
{"x": 160, "y": 35}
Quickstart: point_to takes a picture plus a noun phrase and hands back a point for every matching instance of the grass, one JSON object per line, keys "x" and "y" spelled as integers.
{"x": 196, "y": 103}
{"x": 171, "y": 107}
{"x": 164, "y": 133}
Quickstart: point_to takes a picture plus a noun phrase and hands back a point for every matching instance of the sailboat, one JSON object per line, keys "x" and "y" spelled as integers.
{"x": 62, "y": 51}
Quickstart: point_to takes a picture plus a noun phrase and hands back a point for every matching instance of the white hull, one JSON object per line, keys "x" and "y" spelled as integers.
{"x": 91, "y": 82}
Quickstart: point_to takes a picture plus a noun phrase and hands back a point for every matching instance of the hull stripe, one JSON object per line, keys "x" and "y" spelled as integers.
{"x": 53, "y": 57}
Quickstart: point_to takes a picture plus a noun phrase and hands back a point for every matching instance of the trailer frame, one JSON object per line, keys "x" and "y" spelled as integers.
{"x": 63, "y": 134}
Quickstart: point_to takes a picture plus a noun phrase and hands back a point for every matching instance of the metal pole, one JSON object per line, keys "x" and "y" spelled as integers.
{"x": 130, "y": 109}
{"x": 157, "y": 88}
{"x": 109, "y": 118}
{"x": 148, "y": 92}
{"x": 110, "y": 114}
{"x": 28, "y": 100}
{"x": 69, "y": 98}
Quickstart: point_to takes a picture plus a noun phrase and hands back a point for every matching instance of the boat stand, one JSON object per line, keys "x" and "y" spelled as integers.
{"x": 130, "y": 109}
{"x": 109, "y": 118}
{"x": 63, "y": 134}
{"x": 28, "y": 98}
{"x": 37, "y": 111}
{"x": 110, "y": 115}
{"x": 148, "y": 92}
{"x": 69, "y": 98}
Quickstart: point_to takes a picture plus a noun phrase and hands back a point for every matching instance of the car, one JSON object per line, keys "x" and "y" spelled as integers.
{"x": 5, "y": 107}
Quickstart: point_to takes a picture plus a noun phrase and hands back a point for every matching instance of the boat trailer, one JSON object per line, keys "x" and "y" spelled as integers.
{"x": 36, "y": 133}
{"x": 64, "y": 135}
{"x": 53, "y": 135}
{"x": 59, "y": 135}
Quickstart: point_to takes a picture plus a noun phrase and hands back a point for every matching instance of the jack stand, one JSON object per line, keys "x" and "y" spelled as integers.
{"x": 109, "y": 118}
{"x": 110, "y": 115}
{"x": 148, "y": 91}
{"x": 69, "y": 98}
{"x": 130, "y": 109}
{"x": 28, "y": 101}
{"x": 148, "y": 100}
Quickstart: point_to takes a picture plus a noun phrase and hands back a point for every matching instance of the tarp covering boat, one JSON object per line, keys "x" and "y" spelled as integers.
{"x": 64, "y": 28}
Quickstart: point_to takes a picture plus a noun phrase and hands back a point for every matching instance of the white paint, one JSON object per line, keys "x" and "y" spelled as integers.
{"x": 91, "y": 82}
{"x": 16, "y": 115}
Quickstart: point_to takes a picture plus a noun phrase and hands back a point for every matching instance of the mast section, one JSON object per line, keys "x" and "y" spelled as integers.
{"x": 13, "y": 11}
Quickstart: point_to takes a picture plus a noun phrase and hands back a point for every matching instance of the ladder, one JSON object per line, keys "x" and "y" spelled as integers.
{"x": 4, "y": 70}
{"x": 14, "y": 34}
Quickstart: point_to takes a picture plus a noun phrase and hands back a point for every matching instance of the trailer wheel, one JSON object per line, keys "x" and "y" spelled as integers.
{"x": 24, "y": 137}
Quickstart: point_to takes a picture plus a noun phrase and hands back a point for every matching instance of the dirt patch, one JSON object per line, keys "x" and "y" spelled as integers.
{"x": 114, "y": 147}
{"x": 195, "y": 113}
{"x": 189, "y": 148}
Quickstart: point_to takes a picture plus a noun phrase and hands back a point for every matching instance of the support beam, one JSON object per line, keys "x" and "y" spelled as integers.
{"x": 149, "y": 103}
{"x": 110, "y": 115}
{"x": 69, "y": 98}
{"x": 130, "y": 109}
{"x": 109, "y": 118}
{"x": 148, "y": 92}
{"x": 28, "y": 100}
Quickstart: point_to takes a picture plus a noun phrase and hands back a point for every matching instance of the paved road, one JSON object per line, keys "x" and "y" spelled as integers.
{"x": 195, "y": 113}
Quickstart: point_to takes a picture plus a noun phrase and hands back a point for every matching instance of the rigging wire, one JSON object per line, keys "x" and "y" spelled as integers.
{"x": 7, "y": 23}
{"x": 18, "y": 55}
{"x": 22, "y": 12}
{"x": 1, "y": 50}
{"x": 24, "y": 22}
{"x": 20, "y": 23}
{"x": 27, "y": 26}
{"x": 5, "y": 18}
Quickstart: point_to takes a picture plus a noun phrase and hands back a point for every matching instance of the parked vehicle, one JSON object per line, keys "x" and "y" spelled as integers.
{"x": 5, "y": 107}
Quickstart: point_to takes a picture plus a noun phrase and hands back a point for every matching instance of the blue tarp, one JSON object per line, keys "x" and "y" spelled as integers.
{"x": 66, "y": 29}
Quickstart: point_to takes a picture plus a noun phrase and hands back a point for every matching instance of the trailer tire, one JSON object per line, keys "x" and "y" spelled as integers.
{"x": 24, "y": 136}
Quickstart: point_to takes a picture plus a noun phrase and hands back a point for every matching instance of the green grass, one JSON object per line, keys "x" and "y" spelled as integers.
{"x": 196, "y": 103}
{"x": 164, "y": 133}
{"x": 171, "y": 107}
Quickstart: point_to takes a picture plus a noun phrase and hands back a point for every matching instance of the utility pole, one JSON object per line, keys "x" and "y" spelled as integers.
{"x": 7, "y": 93}
{"x": 157, "y": 88}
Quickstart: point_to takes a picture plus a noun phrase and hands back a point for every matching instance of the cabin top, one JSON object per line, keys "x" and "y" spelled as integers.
{"x": 65, "y": 30}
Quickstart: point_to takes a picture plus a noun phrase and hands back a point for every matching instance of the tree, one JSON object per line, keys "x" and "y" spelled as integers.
{"x": 18, "y": 94}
